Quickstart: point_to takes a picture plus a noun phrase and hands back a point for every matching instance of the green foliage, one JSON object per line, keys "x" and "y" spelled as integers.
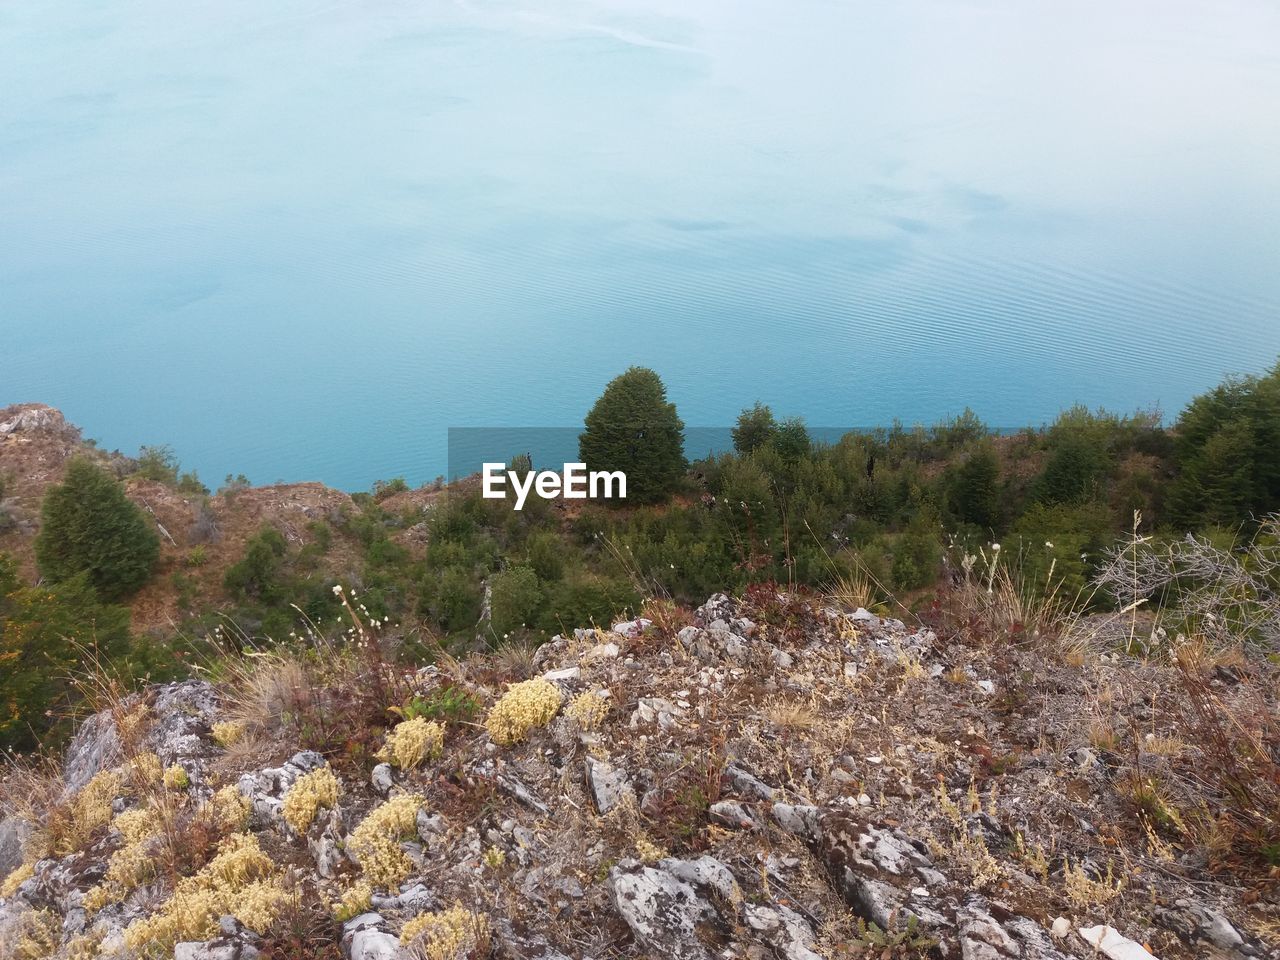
{"x": 546, "y": 555}
{"x": 44, "y": 633}
{"x": 973, "y": 494}
{"x": 1059, "y": 546}
{"x": 756, "y": 428}
{"x": 514, "y": 598}
{"x": 910, "y": 941}
{"x": 633, "y": 428}
{"x": 256, "y": 576}
{"x": 446, "y": 704}
{"x": 159, "y": 463}
{"x": 585, "y": 599}
{"x": 451, "y": 599}
{"x": 1228, "y": 449}
{"x": 89, "y": 526}
{"x": 917, "y": 554}
{"x": 382, "y": 489}
{"x": 791, "y": 440}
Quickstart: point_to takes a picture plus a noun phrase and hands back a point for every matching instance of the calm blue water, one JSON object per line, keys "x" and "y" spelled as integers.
{"x": 302, "y": 239}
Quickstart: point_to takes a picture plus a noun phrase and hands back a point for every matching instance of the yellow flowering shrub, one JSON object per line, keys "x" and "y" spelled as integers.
{"x": 17, "y": 878}
{"x": 238, "y": 881}
{"x": 355, "y": 900}
{"x": 175, "y": 777}
{"x": 229, "y": 809}
{"x": 453, "y": 934}
{"x": 227, "y": 733}
{"x": 133, "y": 863}
{"x": 525, "y": 705}
{"x": 376, "y": 841}
{"x": 412, "y": 742}
{"x": 588, "y": 710}
{"x": 146, "y": 770}
{"x": 73, "y": 825}
{"x": 309, "y": 793}
{"x": 36, "y": 935}
{"x": 83, "y": 947}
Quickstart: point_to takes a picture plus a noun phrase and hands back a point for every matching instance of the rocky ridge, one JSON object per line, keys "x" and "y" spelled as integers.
{"x": 790, "y": 782}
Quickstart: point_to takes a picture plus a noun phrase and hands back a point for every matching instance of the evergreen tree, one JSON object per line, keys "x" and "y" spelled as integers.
{"x": 1228, "y": 453}
{"x": 89, "y": 526}
{"x": 43, "y": 634}
{"x": 792, "y": 440}
{"x": 974, "y": 495}
{"x": 756, "y": 428}
{"x": 633, "y": 428}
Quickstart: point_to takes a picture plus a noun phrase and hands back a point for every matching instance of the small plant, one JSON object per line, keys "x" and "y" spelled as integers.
{"x": 302, "y": 930}
{"x": 412, "y": 742}
{"x": 588, "y": 710}
{"x": 227, "y": 733}
{"x": 197, "y": 556}
{"x": 447, "y": 703}
{"x": 883, "y": 944}
{"x": 375, "y": 842}
{"x": 1085, "y": 891}
{"x": 525, "y": 706}
{"x": 309, "y": 793}
{"x": 20, "y": 875}
{"x": 354, "y": 901}
{"x": 453, "y": 934}
{"x": 239, "y": 880}
{"x": 176, "y": 778}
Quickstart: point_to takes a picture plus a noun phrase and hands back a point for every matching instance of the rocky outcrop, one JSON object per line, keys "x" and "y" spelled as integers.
{"x": 743, "y": 792}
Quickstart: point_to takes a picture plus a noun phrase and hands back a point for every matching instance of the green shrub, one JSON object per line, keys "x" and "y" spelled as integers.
{"x": 633, "y": 428}
{"x": 917, "y": 554}
{"x": 40, "y": 630}
{"x": 546, "y": 555}
{"x": 514, "y": 598}
{"x": 256, "y": 576}
{"x": 756, "y": 428}
{"x": 973, "y": 492}
{"x": 89, "y": 526}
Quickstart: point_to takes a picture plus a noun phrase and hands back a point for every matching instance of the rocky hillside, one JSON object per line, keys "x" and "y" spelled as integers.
{"x": 36, "y": 442}
{"x": 769, "y": 780}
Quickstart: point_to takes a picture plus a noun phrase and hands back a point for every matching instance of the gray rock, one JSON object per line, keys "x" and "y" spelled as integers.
{"x": 324, "y": 840}
{"x": 383, "y": 778}
{"x": 798, "y": 820}
{"x": 1209, "y": 931}
{"x": 564, "y": 675}
{"x": 991, "y": 932}
{"x": 746, "y": 784}
{"x": 608, "y": 784}
{"x": 731, "y": 814}
{"x": 787, "y": 932}
{"x": 364, "y": 938}
{"x": 182, "y": 714}
{"x": 632, "y": 628}
{"x": 706, "y": 873}
{"x": 233, "y": 942}
{"x": 13, "y": 834}
{"x": 94, "y": 748}
{"x": 664, "y": 913}
{"x": 884, "y": 875}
